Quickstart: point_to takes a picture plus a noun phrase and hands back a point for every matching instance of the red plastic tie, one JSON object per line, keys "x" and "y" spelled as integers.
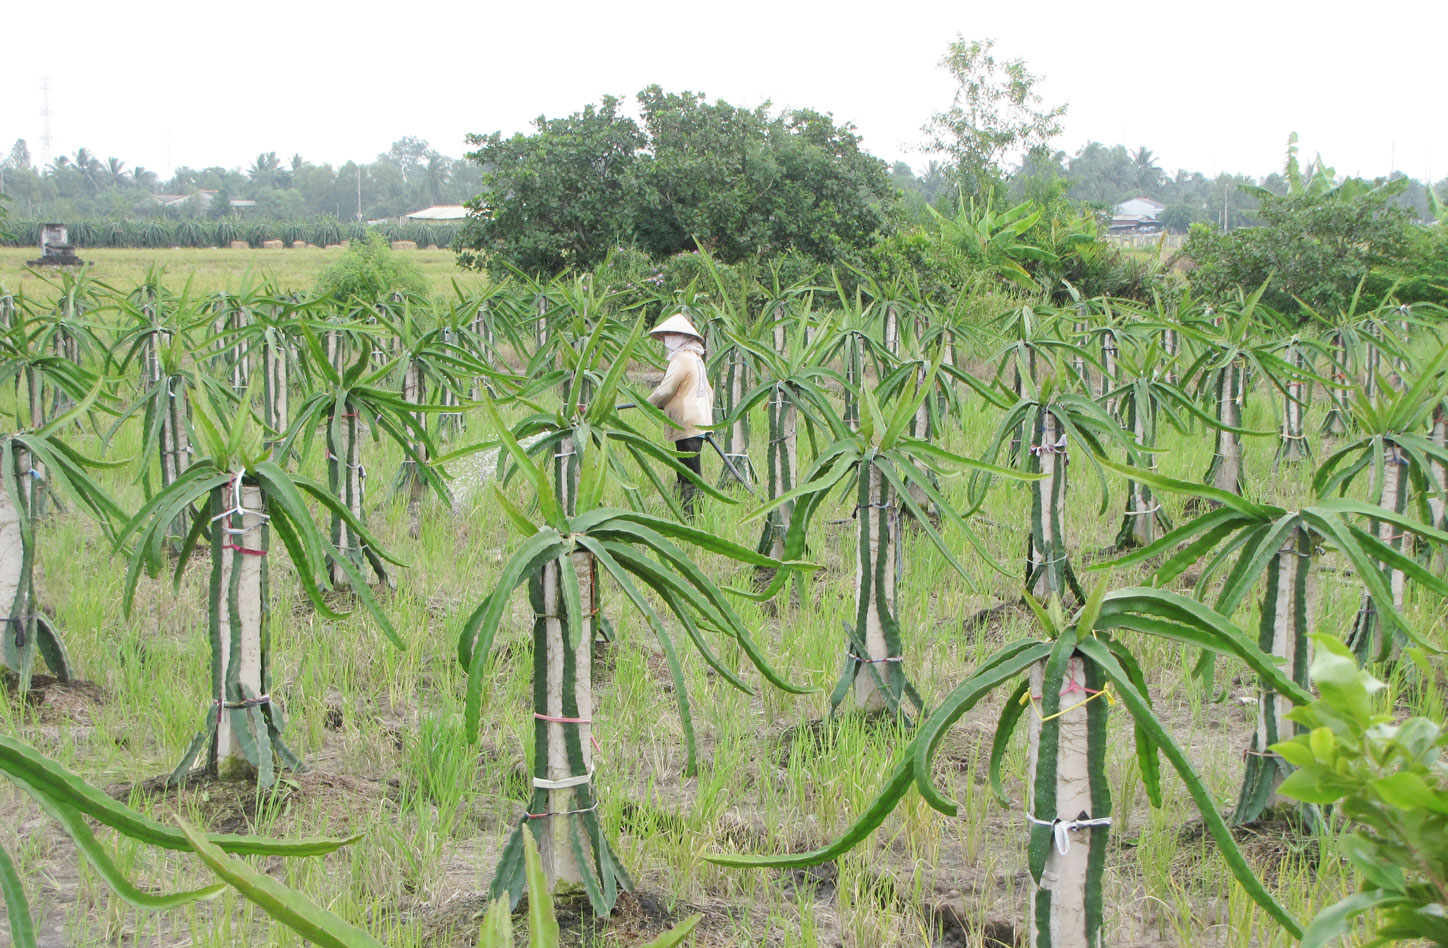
{"x": 243, "y": 550}
{"x": 555, "y": 720}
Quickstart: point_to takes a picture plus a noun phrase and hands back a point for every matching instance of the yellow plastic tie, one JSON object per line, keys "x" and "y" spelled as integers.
{"x": 1030, "y": 699}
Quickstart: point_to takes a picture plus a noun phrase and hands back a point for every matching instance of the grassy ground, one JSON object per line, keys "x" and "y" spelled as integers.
{"x": 212, "y": 269}
{"x": 381, "y": 732}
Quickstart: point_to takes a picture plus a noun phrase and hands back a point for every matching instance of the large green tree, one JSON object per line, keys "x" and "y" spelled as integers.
{"x": 1315, "y": 244}
{"x": 997, "y": 114}
{"x": 696, "y": 173}
{"x": 559, "y": 197}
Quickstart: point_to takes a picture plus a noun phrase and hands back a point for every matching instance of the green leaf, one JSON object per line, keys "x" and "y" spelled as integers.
{"x": 1407, "y": 791}
{"x": 497, "y": 931}
{"x": 291, "y": 908}
{"x": 542, "y": 923}
{"x": 17, "y": 909}
{"x": 59, "y": 784}
{"x": 676, "y": 935}
{"x": 1316, "y": 785}
{"x": 1005, "y": 665}
{"x": 86, "y": 844}
{"x": 1332, "y": 922}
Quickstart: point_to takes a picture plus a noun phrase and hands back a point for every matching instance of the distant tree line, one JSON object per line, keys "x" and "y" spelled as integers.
{"x": 408, "y": 176}
{"x": 161, "y": 232}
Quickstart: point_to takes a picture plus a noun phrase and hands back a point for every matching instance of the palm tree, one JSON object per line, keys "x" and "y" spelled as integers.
{"x": 264, "y": 171}
{"x": 116, "y": 173}
{"x": 1148, "y": 175}
{"x": 91, "y": 170}
{"x": 435, "y": 177}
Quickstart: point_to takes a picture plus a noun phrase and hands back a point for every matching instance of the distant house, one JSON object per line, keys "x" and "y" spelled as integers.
{"x": 439, "y": 212}
{"x": 204, "y": 198}
{"x": 177, "y": 202}
{"x": 1140, "y": 215}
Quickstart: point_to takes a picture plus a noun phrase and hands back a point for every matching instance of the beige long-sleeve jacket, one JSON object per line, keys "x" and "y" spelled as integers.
{"x": 685, "y": 396}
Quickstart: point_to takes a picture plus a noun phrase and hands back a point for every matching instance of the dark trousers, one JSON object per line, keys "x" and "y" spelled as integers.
{"x": 688, "y": 490}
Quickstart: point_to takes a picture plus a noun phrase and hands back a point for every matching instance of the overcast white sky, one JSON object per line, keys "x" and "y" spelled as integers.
{"x": 1208, "y": 87}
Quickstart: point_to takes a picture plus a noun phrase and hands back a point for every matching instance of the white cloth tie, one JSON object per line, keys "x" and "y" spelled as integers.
{"x": 1062, "y": 829}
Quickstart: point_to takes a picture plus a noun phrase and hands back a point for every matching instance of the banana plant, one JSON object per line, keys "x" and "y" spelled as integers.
{"x": 571, "y": 542}
{"x": 236, "y": 497}
{"x": 881, "y": 462}
{"x": 994, "y": 240}
{"x": 341, "y": 402}
{"x": 1249, "y": 542}
{"x": 1065, "y": 681}
{"x": 69, "y": 801}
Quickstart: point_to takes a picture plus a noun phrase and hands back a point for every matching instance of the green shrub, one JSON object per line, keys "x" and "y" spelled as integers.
{"x": 369, "y": 270}
{"x": 1389, "y": 783}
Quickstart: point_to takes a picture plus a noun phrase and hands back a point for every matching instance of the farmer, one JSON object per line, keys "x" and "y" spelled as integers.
{"x": 685, "y": 396}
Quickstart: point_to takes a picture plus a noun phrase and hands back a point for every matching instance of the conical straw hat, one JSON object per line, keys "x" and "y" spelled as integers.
{"x": 678, "y": 323}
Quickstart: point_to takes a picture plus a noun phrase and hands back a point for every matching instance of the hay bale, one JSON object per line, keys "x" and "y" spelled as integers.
{"x": 335, "y": 247}
{"x": 432, "y": 247}
{"x": 272, "y": 245}
{"x": 404, "y": 245}
{"x": 300, "y": 245}
{"x": 240, "y": 245}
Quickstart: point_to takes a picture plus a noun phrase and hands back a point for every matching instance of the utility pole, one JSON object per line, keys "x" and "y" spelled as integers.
{"x": 359, "y": 192}
{"x": 45, "y": 122}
